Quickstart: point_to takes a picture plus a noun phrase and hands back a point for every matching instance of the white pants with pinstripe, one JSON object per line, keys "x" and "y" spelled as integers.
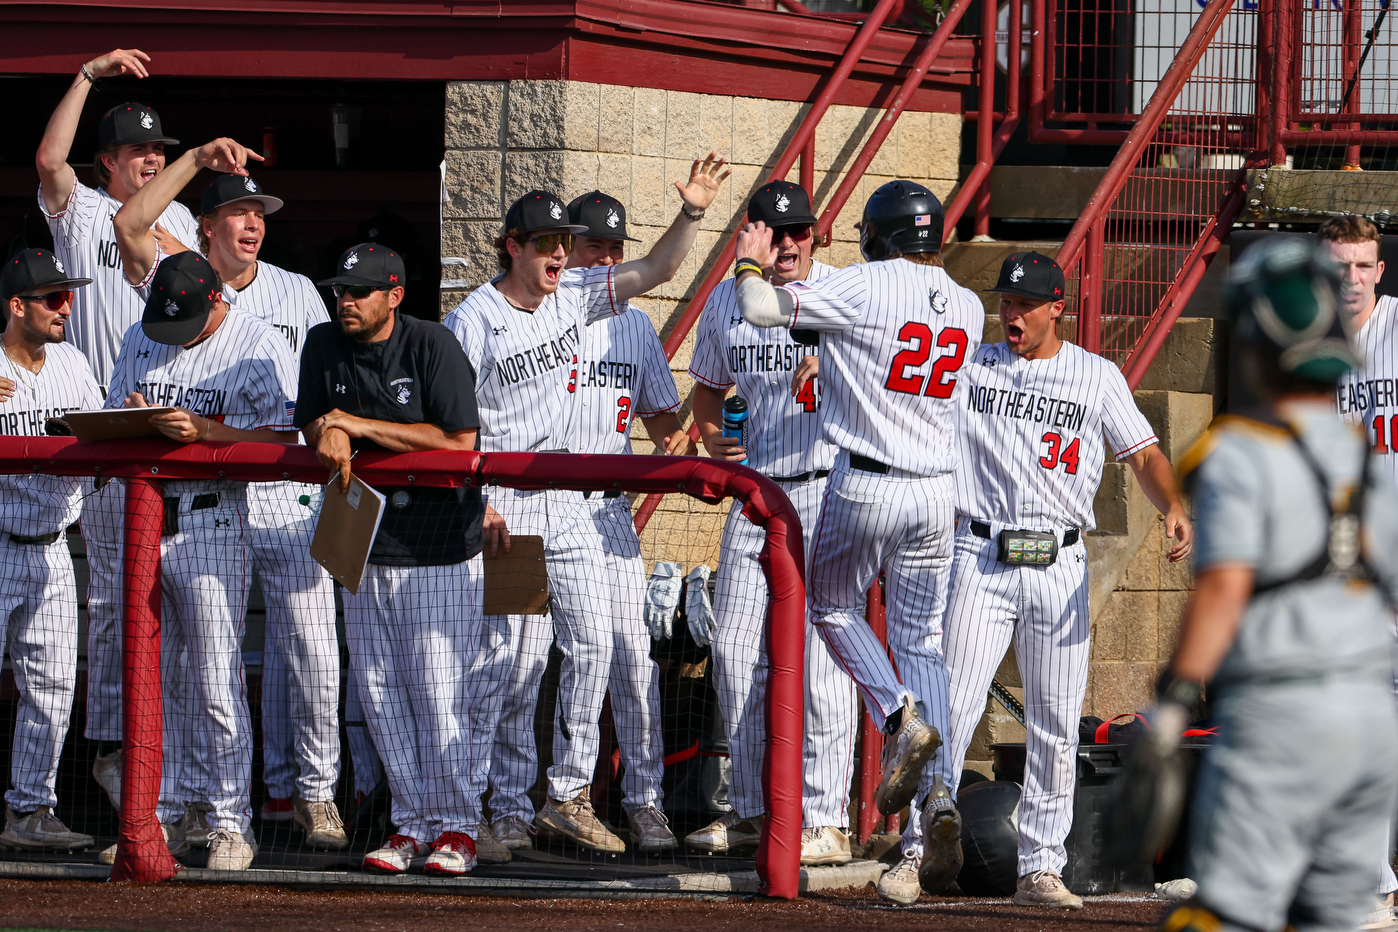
{"x": 903, "y": 525}
{"x": 741, "y": 668}
{"x": 1043, "y": 611}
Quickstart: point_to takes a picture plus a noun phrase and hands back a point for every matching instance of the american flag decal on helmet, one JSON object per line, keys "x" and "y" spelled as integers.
{"x": 922, "y": 220}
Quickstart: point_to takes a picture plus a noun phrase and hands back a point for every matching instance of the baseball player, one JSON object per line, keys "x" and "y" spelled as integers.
{"x": 38, "y": 591}
{"x": 623, "y": 375}
{"x": 1365, "y": 397}
{"x": 301, "y": 662}
{"x": 895, "y": 335}
{"x": 228, "y": 376}
{"x": 786, "y": 444}
{"x": 131, "y": 151}
{"x": 1288, "y": 624}
{"x": 1030, "y": 428}
{"x": 522, "y": 333}
{"x": 378, "y": 379}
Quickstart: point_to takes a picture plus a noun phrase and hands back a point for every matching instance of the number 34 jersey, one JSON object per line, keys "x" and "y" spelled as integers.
{"x": 1031, "y": 435}
{"x": 895, "y": 335}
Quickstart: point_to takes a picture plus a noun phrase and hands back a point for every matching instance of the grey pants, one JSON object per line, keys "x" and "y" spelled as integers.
{"x": 1293, "y": 804}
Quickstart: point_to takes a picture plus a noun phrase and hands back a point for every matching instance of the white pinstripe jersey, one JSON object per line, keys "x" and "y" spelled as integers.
{"x": 1369, "y": 396}
{"x": 784, "y": 433}
{"x": 622, "y": 375}
{"x": 896, "y": 334}
{"x": 524, "y": 360}
{"x": 242, "y": 375}
{"x": 83, "y": 239}
{"x": 289, "y": 304}
{"x": 1031, "y": 435}
{"x": 35, "y": 505}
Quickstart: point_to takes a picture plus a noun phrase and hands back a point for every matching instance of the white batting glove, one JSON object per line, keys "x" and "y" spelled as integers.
{"x": 663, "y": 598}
{"x": 697, "y": 608}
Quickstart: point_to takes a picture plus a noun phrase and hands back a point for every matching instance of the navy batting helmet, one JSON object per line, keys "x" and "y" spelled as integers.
{"x": 901, "y": 217}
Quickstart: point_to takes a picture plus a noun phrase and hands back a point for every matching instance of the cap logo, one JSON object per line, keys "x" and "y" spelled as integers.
{"x": 59, "y": 265}
{"x": 938, "y": 300}
{"x": 351, "y": 260}
{"x": 147, "y": 121}
{"x": 171, "y": 309}
{"x": 556, "y": 211}
{"x": 783, "y": 202}
{"x": 250, "y": 184}
{"x": 612, "y": 218}
{"x": 1016, "y": 273}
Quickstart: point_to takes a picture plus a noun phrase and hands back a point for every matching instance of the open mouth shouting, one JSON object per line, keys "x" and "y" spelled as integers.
{"x": 147, "y": 174}
{"x": 551, "y": 272}
{"x": 1014, "y": 333}
{"x": 787, "y": 262}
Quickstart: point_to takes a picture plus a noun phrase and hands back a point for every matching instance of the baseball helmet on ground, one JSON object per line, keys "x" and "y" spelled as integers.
{"x": 1284, "y": 298}
{"x": 989, "y": 837}
{"x": 901, "y": 217}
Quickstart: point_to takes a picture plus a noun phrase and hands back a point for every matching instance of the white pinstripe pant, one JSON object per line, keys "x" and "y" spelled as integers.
{"x": 900, "y": 524}
{"x": 39, "y": 630}
{"x": 741, "y": 669}
{"x": 1044, "y": 612}
{"x": 412, "y": 632}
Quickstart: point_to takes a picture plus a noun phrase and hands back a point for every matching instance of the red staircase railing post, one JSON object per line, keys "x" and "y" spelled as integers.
{"x": 985, "y": 128}
{"x": 141, "y": 851}
{"x": 1284, "y": 36}
{"x": 870, "y": 735}
{"x": 1349, "y": 103}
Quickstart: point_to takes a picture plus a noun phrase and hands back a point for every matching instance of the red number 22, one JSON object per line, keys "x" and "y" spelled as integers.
{"x": 937, "y": 385}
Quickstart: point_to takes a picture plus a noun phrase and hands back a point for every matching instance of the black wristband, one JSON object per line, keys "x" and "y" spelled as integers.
{"x": 1170, "y": 688}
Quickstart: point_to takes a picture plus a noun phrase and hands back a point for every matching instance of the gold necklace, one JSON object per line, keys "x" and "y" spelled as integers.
{"x": 16, "y": 367}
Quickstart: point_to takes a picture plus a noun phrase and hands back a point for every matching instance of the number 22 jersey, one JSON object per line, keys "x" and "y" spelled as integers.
{"x": 1031, "y": 434}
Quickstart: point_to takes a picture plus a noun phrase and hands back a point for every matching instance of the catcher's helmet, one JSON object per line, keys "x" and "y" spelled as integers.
{"x": 1284, "y": 298}
{"x": 900, "y": 217}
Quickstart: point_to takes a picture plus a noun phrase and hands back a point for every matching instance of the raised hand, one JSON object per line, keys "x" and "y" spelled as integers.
{"x": 169, "y": 243}
{"x": 755, "y": 243}
{"x": 119, "y": 62}
{"x": 704, "y": 181}
{"x": 225, "y": 155}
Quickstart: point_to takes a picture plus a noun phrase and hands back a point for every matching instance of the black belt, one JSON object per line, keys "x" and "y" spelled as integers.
{"x": 864, "y": 464}
{"x": 610, "y": 493}
{"x": 43, "y": 540}
{"x": 981, "y": 529}
{"x": 803, "y": 477}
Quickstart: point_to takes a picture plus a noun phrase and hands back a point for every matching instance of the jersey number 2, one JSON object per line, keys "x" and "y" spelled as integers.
{"x": 937, "y": 384}
{"x": 1068, "y": 457}
{"x": 623, "y": 414}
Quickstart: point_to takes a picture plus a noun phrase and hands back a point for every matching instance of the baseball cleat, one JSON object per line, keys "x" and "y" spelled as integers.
{"x": 40, "y": 830}
{"x": 321, "y": 823}
{"x": 1045, "y": 888}
{"x": 276, "y": 809}
{"x": 650, "y": 831}
{"x": 453, "y": 854}
{"x": 905, "y": 753}
{"x": 514, "y": 832}
{"x": 106, "y": 770}
{"x": 174, "y": 841}
{"x": 728, "y": 834}
{"x": 193, "y": 826}
{"x": 1381, "y": 919}
{"x": 230, "y": 851}
{"x": 489, "y": 850}
{"x": 575, "y": 820}
{"x": 941, "y": 840}
{"x": 398, "y": 854}
{"x": 899, "y": 884}
{"x": 824, "y": 845}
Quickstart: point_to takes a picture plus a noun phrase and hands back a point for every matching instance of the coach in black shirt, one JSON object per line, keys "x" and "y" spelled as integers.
{"x": 375, "y": 379}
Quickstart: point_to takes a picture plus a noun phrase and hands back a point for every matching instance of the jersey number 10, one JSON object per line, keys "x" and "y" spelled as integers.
{"x": 1380, "y": 441}
{"x": 920, "y": 335}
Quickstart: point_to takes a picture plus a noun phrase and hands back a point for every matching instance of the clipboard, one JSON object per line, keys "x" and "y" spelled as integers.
{"x": 516, "y": 583}
{"x": 345, "y": 531}
{"x": 113, "y": 423}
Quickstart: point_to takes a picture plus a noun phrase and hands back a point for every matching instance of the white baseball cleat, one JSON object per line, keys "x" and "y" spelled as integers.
{"x": 230, "y": 851}
{"x": 650, "y": 830}
{"x": 453, "y": 854}
{"x": 824, "y": 845}
{"x": 1045, "y": 888}
{"x": 397, "y": 855}
{"x": 941, "y": 840}
{"x": 321, "y": 823}
{"x": 905, "y": 753}
{"x": 728, "y": 834}
{"x": 40, "y": 830}
{"x": 106, "y": 770}
{"x": 514, "y": 832}
{"x": 899, "y": 884}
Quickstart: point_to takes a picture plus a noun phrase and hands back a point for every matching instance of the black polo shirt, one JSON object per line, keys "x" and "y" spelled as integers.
{"x": 418, "y": 375}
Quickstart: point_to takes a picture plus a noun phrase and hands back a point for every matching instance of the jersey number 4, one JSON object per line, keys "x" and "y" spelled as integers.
{"x": 806, "y": 397}
{"x": 1068, "y": 457}
{"x": 937, "y": 385}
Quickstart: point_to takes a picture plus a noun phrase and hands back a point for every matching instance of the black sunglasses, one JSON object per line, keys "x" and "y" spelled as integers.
{"x": 357, "y": 292}
{"x": 54, "y": 300}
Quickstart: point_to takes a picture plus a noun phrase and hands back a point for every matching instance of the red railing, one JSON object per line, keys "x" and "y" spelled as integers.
{"x": 141, "y": 852}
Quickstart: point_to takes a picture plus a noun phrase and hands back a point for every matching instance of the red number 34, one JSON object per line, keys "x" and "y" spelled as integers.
{"x": 1068, "y": 457}
{"x": 920, "y": 335}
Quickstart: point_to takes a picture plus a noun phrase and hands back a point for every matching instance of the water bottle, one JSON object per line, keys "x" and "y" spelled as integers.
{"x": 735, "y": 422}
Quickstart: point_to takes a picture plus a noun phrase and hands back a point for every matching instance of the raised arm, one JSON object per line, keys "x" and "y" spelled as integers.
{"x": 56, "y": 176}
{"x": 658, "y": 266}
{"x": 134, "y": 221}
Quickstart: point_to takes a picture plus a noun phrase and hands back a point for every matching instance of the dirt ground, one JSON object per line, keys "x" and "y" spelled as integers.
{"x": 177, "y": 907}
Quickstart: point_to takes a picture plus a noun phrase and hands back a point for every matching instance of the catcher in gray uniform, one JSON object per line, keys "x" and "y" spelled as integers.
{"x": 1297, "y": 559}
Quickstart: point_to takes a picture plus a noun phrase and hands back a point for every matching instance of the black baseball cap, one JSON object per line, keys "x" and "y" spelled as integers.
{"x": 540, "y": 210}
{"x": 181, "y": 296}
{"x": 603, "y": 216}
{"x": 130, "y": 124}
{"x": 35, "y": 268}
{"x": 229, "y": 189}
{"x": 780, "y": 204}
{"x": 372, "y": 264}
{"x": 1031, "y": 275}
